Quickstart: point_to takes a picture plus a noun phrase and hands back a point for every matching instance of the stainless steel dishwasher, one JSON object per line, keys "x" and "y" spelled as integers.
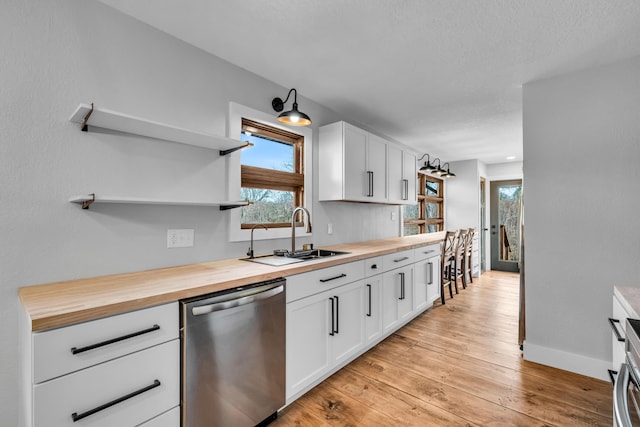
{"x": 233, "y": 356}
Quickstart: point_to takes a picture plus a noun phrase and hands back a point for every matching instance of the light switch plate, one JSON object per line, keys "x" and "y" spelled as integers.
{"x": 180, "y": 238}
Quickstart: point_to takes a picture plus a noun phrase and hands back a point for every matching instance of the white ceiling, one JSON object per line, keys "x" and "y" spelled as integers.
{"x": 443, "y": 76}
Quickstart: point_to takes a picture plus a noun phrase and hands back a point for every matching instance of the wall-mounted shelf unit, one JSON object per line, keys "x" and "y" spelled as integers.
{"x": 87, "y": 200}
{"x": 89, "y": 116}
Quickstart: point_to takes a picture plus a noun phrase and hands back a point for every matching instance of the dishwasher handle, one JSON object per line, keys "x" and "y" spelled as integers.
{"x": 233, "y": 302}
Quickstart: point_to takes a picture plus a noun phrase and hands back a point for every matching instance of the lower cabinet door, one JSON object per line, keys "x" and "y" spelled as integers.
{"x": 122, "y": 392}
{"x": 405, "y": 303}
{"x": 348, "y": 336}
{"x": 422, "y": 275}
{"x": 433, "y": 280}
{"x": 308, "y": 328}
{"x": 372, "y": 308}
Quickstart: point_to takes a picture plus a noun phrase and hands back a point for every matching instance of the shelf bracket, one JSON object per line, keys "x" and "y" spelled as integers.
{"x": 87, "y": 203}
{"x": 231, "y": 150}
{"x": 234, "y": 205}
{"x": 85, "y": 127}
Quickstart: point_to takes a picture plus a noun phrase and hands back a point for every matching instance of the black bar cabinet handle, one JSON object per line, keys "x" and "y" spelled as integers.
{"x": 612, "y": 375}
{"x": 333, "y": 316}
{"x": 613, "y": 322}
{"x": 77, "y": 417}
{"x": 404, "y": 258}
{"x": 337, "y": 331}
{"x": 75, "y": 350}
{"x": 430, "y": 282}
{"x": 369, "y": 289}
{"x": 370, "y": 176}
{"x": 406, "y": 189}
{"x": 401, "y": 286}
{"x": 340, "y": 276}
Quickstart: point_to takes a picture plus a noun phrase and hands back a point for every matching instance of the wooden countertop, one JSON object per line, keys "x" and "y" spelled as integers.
{"x": 63, "y": 303}
{"x": 629, "y": 298}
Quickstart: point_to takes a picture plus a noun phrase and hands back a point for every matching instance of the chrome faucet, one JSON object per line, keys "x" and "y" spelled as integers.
{"x": 293, "y": 225}
{"x": 250, "y": 251}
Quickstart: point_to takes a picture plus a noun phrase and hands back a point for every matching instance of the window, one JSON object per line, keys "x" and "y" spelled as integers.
{"x": 272, "y": 175}
{"x": 428, "y": 215}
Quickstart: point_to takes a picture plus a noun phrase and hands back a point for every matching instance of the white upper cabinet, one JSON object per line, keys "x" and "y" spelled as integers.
{"x": 358, "y": 166}
{"x": 402, "y": 176}
{"x": 352, "y": 163}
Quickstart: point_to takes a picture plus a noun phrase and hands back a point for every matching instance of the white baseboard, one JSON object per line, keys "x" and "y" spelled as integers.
{"x": 571, "y": 362}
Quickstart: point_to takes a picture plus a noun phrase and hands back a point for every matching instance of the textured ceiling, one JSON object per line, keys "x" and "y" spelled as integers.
{"x": 443, "y": 76}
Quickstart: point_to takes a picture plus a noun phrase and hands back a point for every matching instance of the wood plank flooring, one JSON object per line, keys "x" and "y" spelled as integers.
{"x": 457, "y": 364}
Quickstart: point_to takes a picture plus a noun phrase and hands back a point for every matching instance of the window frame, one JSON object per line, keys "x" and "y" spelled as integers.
{"x": 271, "y": 179}
{"x": 234, "y": 182}
{"x": 423, "y": 199}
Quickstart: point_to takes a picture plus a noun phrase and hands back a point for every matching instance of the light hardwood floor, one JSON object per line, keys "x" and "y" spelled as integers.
{"x": 456, "y": 364}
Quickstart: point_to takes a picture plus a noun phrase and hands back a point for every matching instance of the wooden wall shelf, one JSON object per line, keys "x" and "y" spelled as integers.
{"x": 89, "y": 116}
{"x": 87, "y": 200}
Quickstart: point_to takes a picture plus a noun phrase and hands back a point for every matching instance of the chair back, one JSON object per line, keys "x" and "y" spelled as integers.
{"x": 461, "y": 243}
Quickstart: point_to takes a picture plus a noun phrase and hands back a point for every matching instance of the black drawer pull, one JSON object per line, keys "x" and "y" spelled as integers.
{"x": 612, "y": 377}
{"x": 340, "y": 276}
{"x": 369, "y": 288}
{"x": 404, "y": 258}
{"x": 374, "y": 266}
{"x": 613, "y": 322}
{"x": 77, "y": 417}
{"x": 337, "y": 315}
{"x": 75, "y": 350}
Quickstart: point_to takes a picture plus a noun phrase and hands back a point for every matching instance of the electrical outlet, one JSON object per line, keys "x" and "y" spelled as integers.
{"x": 180, "y": 238}
{"x": 329, "y": 228}
{"x": 393, "y": 215}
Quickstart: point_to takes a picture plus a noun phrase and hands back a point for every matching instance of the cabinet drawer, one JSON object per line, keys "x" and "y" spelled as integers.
{"x": 100, "y": 340}
{"x": 312, "y": 282}
{"x": 397, "y": 259}
{"x": 426, "y": 252}
{"x": 373, "y": 266}
{"x": 153, "y": 375}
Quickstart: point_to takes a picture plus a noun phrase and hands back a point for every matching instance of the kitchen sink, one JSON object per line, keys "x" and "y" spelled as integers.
{"x": 294, "y": 257}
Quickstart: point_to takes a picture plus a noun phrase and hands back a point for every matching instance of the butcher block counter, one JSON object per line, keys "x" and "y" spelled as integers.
{"x": 63, "y": 303}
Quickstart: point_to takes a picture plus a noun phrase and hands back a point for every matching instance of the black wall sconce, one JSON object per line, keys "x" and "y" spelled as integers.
{"x": 430, "y": 167}
{"x": 292, "y": 117}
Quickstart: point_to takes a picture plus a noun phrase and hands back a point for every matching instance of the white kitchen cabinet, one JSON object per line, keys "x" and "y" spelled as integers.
{"x": 120, "y": 370}
{"x": 352, "y": 164}
{"x": 308, "y": 355}
{"x": 373, "y": 308}
{"x": 397, "y": 298}
{"x": 323, "y": 331}
{"x": 402, "y": 174}
{"x": 426, "y": 283}
{"x": 148, "y": 381}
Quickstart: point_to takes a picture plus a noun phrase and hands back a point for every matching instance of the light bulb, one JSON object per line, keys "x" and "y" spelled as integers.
{"x": 294, "y": 119}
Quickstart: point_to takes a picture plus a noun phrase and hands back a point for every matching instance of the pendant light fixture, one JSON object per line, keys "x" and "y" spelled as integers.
{"x": 447, "y": 174}
{"x": 292, "y": 117}
{"x": 427, "y": 165}
{"x": 431, "y": 167}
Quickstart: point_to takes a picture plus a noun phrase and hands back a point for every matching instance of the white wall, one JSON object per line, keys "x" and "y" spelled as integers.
{"x": 504, "y": 171}
{"x": 582, "y": 182}
{"x": 58, "y": 54}
{"x": 462, "y": 196}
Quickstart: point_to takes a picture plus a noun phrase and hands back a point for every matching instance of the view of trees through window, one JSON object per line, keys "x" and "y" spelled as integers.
{"x": 272, "y": 177}
{"x": 428, "y": 215}
{"x": 509, "y": 218}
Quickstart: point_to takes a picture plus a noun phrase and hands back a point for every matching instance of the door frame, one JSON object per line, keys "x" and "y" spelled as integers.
{"x": 496, "y": 263}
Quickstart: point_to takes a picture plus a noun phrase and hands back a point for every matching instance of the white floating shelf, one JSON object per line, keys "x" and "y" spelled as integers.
{"x": 87, "y": 200}
{"x": 87, "y": 115}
